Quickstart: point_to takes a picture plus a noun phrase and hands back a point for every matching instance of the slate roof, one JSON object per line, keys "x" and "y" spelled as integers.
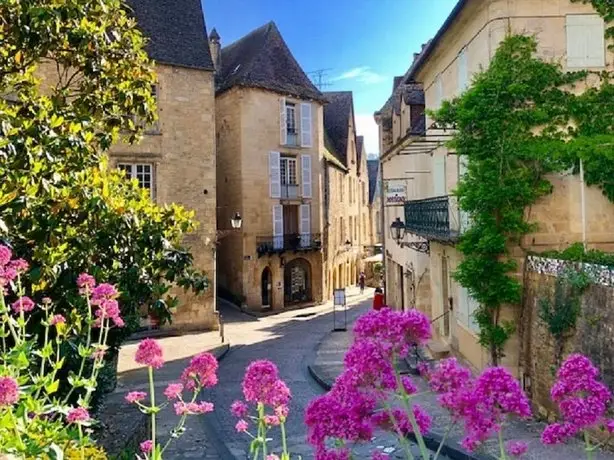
{"x": 337, "y": 115}
{"x": 261, "y": 59}
{"x": 373, "y": 172}
{"x": 175, "y": 30}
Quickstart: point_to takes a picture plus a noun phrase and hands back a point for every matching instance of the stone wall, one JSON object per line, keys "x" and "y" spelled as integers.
{"x": 182, "y": 153}
{"x": 592, "y": 336}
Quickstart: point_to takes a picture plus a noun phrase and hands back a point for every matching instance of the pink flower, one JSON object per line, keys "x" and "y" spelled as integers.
{"x": 9, "y": 389}
{"x": 7, "y": 274}
{"x": 558, "y": 433}
{"x": 135, "y": 396}
{"x": 408, "y": 385}
{"x": 239, "y": 409}
{"x": 333, "y": 454}
{"x": 78, "y": 415}
{"x": 57, "y": 319}
{"x": 282, "y": 412}
{"x": 470, "y": 443}
{"x": 610, "y": 426}
{"x": 85, "y": 283}
{"x": 271, "y": 420}
{"x": 385, "y": 422}
{"x": 173, "y": 390}
{"x": 149, "y": 353}
{"x": 448, "y": 376}
{"x": 5, "y": 255}
{"x": 23, "y": 304}
{"x": 516, "y": 448}
{"x": 19, "y": 265}
{"x": 261, "y": 383}
{"x": 200, "y": 372}
{"x": 370, "y": 365}
{"x": 98, "y": 353}
{"x": 146, "y": 446}
{"x": 108, "y": 309}
{"x": 272, "y": 457}
{"x": 183, "y": 408}
{"x": 241, "y": 426}
{"x": 102, "y": 292}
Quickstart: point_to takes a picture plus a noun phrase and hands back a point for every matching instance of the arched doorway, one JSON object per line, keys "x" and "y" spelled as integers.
{"x": 297, "y": 281}
{"x": 266, "y": 287}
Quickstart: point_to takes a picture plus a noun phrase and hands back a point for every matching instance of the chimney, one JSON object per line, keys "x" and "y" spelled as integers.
{"x": 416, "y": 56}
{"x": 215, "y": 48}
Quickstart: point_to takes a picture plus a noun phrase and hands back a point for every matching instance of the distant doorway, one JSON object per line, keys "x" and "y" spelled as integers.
{"x": 297, "y": 281}
{"x": 266, "y": 287}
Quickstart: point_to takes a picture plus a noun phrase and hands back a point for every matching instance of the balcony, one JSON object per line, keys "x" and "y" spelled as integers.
{"x": 289, "y": 192}
{"x": 433, "y": 218}
{"x": 291, "y": 242}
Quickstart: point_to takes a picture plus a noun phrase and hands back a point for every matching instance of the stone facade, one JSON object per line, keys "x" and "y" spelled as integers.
{"x": 248, "y": 124}
{"x": 181, "y": 154}
{"x": 467, "y": 44}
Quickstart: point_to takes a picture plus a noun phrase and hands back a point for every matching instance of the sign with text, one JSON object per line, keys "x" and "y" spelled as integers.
{"x": 395, "y": 192}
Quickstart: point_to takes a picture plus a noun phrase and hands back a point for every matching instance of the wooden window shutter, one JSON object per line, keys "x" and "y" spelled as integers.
{"x": 283, "y": 127}
{"x": 585, "y": 41}
{"x": 306, "y": 130}
{"x": 305, "y": 224}
{"x": 278, "y": 226}
{"x": 306, "y": 175}
{"x": 274, "y": 175}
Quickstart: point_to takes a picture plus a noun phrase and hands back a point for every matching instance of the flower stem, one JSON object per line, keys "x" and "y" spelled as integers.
{"x": 443, "y": 440}
{"x": 152, "y": 397}
{"x": 285, "y": 455}
{"x": 263, "y": 428}
{"x": 589, "y": 448}
{"x": 181, "y": 421}
{"x": 501, "y": 445}
{"x": 397, "y": 428}
{"x": 81, "y": 442}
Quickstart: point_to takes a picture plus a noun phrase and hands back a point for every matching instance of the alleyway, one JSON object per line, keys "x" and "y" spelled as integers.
{"x": 289, "y": 340}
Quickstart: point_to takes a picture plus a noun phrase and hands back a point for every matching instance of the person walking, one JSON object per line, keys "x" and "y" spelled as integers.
{"x": 378, "y": 299}
{"x": 361, "y": 282}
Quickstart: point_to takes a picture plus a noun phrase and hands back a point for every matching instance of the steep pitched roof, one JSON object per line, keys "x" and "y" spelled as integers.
{"x": 373, "y": 172}
{"x": 175, "y": 30}
{"x": 262, "y": 59}
{"x": 337, "y": 115}
{"x": 360, "y": 145}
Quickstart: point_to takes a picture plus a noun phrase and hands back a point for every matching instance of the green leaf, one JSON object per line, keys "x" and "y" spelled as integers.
{"x": 52, "y": 387}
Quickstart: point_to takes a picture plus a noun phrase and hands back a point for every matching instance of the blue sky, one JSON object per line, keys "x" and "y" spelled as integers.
{"x": 362, "y": 44}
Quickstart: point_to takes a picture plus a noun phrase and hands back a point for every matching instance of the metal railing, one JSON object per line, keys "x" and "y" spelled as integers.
{"x": 430, "y": 219}
{"x": 288, "y": 242}
{"x": 289, "y": 191}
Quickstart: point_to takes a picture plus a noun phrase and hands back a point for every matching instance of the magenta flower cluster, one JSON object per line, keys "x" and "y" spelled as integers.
{"x": 201, "y": 372}
{"x": 104, "y": 296}
{"x": 9, "y": 268}
{"x": 482, "y": 404}
{"x": 9, "y": 391}
{"x": 350, "y": 412}
{"x": 149, "y": 353}
{"x": 582, "y": 400}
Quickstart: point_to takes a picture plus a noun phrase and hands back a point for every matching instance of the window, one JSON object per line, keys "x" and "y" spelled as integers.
{"x": 142, "y": 172}
{"x": 465, "y": 313}
{"x": 341, "y": 231}
{"x": 288, "y": 171}
{"x": 291, "y": 124}
{"x": 585, "y": 41}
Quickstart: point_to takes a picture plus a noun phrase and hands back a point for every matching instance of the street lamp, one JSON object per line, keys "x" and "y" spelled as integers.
{"x": 397, "y": 230}
{"x": 236, "y": 221}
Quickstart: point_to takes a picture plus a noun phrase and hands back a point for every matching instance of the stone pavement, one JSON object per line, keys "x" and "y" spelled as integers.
{"x": 328, "y": 364}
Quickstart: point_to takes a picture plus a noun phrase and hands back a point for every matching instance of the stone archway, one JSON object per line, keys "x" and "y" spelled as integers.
{"x": 297, "y": 282}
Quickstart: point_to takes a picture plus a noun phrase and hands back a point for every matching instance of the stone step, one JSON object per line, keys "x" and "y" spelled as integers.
{"x": 438, "y": 349}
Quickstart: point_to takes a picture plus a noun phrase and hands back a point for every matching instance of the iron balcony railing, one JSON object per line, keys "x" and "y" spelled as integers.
{"x": 288, "y": 242}
{"x": 433, "y": 218}
{"x": 289, "y": 191}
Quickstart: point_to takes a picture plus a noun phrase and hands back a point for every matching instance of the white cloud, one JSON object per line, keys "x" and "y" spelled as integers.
{"x": 366, "y": 126}
{"x": 361, "y": 74}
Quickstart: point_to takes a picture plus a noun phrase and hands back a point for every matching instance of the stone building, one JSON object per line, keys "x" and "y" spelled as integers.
{"x": 346, "y": 216}
{"x": 176, "y": 159}
{"x": 420, "y": 270}
{"x": 270, "y": 146}
{"x": 374, "y": 229}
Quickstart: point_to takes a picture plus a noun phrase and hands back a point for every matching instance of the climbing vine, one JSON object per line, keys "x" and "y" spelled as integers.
{"x": 519, "y": 121}
{"x": 561, "y": 313}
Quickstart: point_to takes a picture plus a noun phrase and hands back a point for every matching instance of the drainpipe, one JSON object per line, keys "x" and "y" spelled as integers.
{"x": 382, "y": 226}
{"x": 583, "y": 204}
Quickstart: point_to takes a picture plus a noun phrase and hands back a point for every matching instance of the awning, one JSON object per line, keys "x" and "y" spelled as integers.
{"x": 375, "y": 258}
{"x": 420, "y": 144}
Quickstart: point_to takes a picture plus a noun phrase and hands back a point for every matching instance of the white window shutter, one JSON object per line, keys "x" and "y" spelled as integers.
{"x": 439, "y": 175}
{"x": 306, "y": 175}
{"x": 283, "y": 127}
{"x": 278, "y": 226}
{"x": 585, "y": 41}
{"x": 463, "y": 71}
{"x": 306, "y": 125}
{"x": 305, "y": 224}
{"x": 274, "y": 175}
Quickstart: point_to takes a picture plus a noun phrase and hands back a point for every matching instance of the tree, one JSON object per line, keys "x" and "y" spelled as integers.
{"x": 75, "y": 79}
